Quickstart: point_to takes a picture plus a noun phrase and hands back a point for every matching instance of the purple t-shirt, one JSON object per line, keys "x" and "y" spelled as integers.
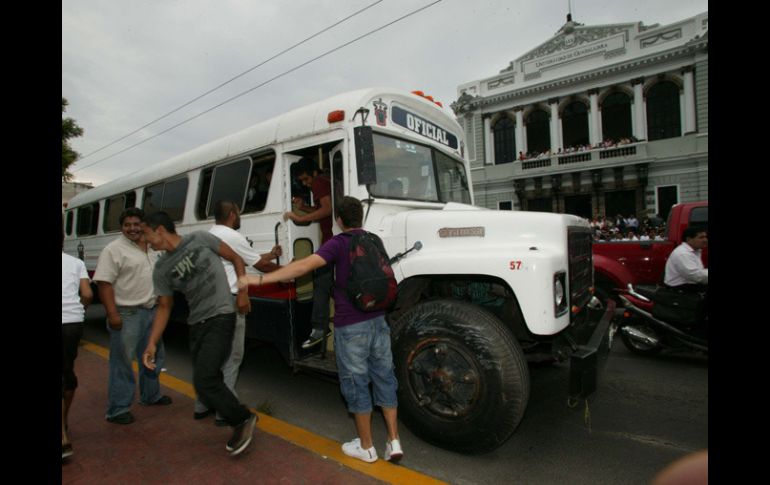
{"x": 335, "y": 252}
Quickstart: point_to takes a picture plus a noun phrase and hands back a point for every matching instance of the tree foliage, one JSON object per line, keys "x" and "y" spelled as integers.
{"x": 69, "y": 129}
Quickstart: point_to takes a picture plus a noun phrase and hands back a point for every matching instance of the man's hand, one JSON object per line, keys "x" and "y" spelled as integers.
{"x": 242, "y": 302}
{"x": 290, "y": 215}
{"x": 276, "y": 252}
{"x": 115, "y": 322}
{"x": 148, "y": 358}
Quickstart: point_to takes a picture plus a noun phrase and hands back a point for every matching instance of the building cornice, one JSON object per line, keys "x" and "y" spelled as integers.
{"x": 652, "y": 59}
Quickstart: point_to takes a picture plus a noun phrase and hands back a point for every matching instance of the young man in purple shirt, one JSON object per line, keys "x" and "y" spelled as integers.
{"x": 361, "y": 339}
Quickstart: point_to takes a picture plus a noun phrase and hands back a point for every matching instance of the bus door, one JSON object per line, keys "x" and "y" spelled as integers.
{"x": 338, "y": 180}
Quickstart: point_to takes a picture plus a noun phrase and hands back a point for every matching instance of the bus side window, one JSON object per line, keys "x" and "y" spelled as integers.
{"x": 259, "y": 184}
{"x": 88, "y": 219}
{"x": 166, "y": 196}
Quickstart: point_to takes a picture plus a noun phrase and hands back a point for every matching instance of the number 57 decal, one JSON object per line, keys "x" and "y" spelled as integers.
{"x": 515, "y": 265}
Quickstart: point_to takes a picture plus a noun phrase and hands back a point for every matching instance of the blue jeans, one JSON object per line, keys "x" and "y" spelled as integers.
{"x": 364, "y": 356}
{"x": 125, "y": 345}
{"x": 210, "y": 343}
{"x": 233, "y": 363}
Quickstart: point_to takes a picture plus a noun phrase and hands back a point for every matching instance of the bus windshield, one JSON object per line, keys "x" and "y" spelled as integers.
{"x": 410, "y": 171}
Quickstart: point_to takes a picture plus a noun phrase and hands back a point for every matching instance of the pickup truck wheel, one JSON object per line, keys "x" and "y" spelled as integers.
{"x": 463, "y": 379}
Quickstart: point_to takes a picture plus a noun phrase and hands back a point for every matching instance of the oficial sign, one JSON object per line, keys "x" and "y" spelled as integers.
{"x": 423, "y": 127}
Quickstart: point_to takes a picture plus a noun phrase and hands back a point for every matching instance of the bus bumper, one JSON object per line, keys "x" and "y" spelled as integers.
{"x": 588, "y": 360}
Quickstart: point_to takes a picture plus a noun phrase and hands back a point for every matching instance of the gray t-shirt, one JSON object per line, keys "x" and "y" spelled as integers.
{"x": 195, "y": 269}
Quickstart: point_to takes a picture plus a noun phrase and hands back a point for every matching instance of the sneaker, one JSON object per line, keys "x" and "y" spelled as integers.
{"x": 353, "y": 448}
{"x": 316, "y": 336}
{"x": 241, "y": 435}
{"x": 393, "y": 451}
{"x": 203, "y": 415}
{"x": 66, "y": 450}
{"x": 163, "y": 401}
{"x": 125, "y": 418}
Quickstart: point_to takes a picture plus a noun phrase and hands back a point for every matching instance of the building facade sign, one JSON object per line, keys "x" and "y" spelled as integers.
{"x": 603, "y": 46}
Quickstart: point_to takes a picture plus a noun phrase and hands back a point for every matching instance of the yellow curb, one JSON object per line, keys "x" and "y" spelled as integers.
{"x": 330, "y": 449}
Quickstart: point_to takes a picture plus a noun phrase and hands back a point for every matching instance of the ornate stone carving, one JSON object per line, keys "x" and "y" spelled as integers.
{"x": 579, "y": 37}
{"x": 661, "y": 38}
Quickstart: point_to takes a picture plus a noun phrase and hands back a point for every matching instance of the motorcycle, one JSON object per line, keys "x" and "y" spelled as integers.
{"x": 647, "y": 330}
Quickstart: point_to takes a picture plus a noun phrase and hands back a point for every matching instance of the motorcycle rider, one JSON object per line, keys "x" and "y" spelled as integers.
{"x": 684, "y": 268}
{"x": 685, "y": 271}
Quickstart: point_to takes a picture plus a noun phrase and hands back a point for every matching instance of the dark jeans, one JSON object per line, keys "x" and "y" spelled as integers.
{"x": 323, "y": 282}
{"x": 210, "y": 344}
{"x": 70, "y": 338}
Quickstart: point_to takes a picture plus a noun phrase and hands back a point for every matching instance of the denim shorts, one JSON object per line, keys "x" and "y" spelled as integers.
{"x": 364, "y": 356}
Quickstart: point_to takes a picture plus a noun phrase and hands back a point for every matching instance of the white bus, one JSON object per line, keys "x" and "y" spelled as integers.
{"x": 486, "y": 291}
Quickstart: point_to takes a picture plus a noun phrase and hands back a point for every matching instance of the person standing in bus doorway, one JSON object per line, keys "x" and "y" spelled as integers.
{"x": 321, "y": 212}
{"x": 361, "y": 339}
{"x": 227, "y": 216}
{"x": 124, "y": 278}
{"x": 191, "y": 265}
{"x": 76, "y": 294}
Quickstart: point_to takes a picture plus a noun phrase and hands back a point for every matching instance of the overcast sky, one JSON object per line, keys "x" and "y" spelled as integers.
{"x": 125, "y": 63}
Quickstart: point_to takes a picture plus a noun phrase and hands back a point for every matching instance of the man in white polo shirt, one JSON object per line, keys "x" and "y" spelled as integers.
{"x": 124, "y": 278}
{"x": 227, "y": 216}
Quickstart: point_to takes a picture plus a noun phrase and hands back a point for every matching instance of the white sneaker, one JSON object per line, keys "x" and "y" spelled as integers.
{"x": 393, "y": 451}
{"x": 353, "y": 448}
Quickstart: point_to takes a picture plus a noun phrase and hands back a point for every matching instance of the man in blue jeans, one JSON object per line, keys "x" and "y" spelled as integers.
{"x": 124, "y": 279}
{"x": 361, "y": 339}
{"x": 192, "y": 266}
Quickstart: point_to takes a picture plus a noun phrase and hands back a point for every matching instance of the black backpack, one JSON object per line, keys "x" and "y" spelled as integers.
{"x": 371, "y": 284}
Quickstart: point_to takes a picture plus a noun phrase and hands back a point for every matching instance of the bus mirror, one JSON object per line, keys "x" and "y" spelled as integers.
{"x": 367, "y": 174}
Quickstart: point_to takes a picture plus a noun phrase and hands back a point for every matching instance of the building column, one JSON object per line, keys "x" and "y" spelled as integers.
{"x": 555, "y": 142}
{"x": 689, "y": 100}
{"x": 489, "y": 141}
{"x": 521, "y": 140}
{"x": 594, "y": 122}
{"x": 640, "y": 123}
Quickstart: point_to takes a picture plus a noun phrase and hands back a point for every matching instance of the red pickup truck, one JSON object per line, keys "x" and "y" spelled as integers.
{"x": 643, "y": 262}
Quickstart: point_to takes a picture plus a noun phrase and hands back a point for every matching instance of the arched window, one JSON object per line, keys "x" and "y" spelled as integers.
{"x": 505, "y": 141}
{"x": 616, "y": 117}
{"x": 574, "y": 124}
{"x": 538, "y": 132}
{"x": 663, "y": 113}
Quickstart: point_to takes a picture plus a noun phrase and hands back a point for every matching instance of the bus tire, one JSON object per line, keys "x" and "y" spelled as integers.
{"x": 463, "y": 379}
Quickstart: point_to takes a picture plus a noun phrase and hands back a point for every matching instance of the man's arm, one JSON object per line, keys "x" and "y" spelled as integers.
{"x": 86, "y": 294}
{"x": 107, "y": 296}
{"x": 288, "y": 272}
{"x": 162, "y": 314}
{"x": 242, "y": 300}
{"x": 264, "y": 264}
{"x": 322, "y": 212}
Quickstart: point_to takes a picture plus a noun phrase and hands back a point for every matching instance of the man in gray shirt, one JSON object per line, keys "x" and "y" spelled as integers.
{"x": 192, "y": 266}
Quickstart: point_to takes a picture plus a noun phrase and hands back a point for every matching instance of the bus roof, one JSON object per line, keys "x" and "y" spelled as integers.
{"x": 293, "y": 124}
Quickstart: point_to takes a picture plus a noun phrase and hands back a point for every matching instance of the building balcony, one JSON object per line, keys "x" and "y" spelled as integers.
{"x": 688, "y": 146}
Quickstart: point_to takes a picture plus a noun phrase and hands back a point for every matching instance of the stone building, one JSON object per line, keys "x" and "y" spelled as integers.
{"x": 605, "y": 119}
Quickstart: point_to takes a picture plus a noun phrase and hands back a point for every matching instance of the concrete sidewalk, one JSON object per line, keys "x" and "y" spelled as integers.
{"x": 166, "y": 445}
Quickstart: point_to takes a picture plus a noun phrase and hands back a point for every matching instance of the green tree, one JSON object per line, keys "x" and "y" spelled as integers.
{"x": 69, "y": 129}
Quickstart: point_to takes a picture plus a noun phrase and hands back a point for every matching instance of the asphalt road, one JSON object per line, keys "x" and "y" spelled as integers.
{"x": 648, "y": 413}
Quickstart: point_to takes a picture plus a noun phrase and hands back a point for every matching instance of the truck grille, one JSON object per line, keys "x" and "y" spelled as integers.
{"x": 579, "y": 240}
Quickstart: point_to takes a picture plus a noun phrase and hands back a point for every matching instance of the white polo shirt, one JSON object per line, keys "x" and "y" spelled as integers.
{"x": 72, "y": 271}
{"x": 240, "y": 245}
{"x": 128, "y": 268}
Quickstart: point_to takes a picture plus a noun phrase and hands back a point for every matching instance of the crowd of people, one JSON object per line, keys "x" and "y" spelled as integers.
{"x": 140, "y": 271}
{"x": 607, "y": 143}
{"x": 628, "y": 228}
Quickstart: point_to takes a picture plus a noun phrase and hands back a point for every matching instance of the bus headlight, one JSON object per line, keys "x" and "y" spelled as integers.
{"x": 559, "y": 293}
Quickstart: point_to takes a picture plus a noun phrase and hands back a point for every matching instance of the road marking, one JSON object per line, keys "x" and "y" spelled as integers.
{"x": 330, "y": 449}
